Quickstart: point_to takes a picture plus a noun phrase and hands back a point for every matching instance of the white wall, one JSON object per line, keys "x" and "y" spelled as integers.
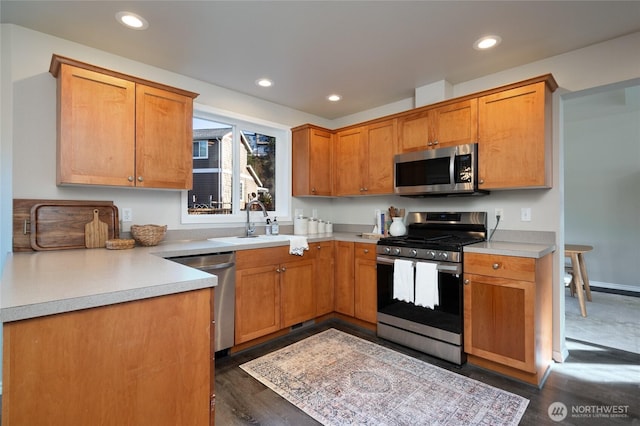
{"x": 602, "y": 172}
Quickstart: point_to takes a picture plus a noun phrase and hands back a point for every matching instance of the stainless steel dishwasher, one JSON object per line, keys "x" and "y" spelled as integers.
{"x": 223, "y": 265}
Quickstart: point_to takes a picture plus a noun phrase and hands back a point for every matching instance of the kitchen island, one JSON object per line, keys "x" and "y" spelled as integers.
{"x": 106, "y": 337}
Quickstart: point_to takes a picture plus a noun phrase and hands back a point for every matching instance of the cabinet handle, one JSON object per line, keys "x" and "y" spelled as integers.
{"x": 495, "y": 265}
{"x": 140, "y": 179}
{"x": 130, "y": 178}
{"x": 466, "y": 282}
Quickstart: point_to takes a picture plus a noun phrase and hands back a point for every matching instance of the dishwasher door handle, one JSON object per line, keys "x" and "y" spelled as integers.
{"x": 217, "y": 267}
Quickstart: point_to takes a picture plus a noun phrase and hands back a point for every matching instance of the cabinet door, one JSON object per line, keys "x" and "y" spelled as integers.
{"x": 164, "y": 139}
{"x": 454, "y": 124}
{"x": 324, "y": 277}
{"x": 297, "y": 290}
{"x": 365, "y": 283}
{"x": 514, "y": 142}
{"x": 499, "y": 320}
{"x": 257, "y": 303}
{"x": 349, "y": 164}
{"x": 344, "y": 294}
{"x": 413, "y": 131}
{"x": 380, "y": 145}
{"x": 96, "y": 130}
{"x": 311, "y": 161}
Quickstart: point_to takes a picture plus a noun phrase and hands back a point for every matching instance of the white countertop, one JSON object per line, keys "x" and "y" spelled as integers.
{"x": 50, "y": 282}
{"x": 507, "y": 248}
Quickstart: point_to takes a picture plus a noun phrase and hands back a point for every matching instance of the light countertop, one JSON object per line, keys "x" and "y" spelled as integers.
{"x": 43, "y": 283}
{"x": 508, "y": 248}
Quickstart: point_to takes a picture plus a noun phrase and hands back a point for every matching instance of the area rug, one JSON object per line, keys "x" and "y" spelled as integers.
{"x": 340, "y": 379}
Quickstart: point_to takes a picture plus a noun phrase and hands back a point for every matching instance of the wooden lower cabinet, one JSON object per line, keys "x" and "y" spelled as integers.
{"x": 274, "y": 290}
{"x": 365, "y": 283}
{"x": 507, "y": 314}
{"x": 142, "y": 362}
{"x": 323, "y": 276}
{"x": 356, "y": 291}
{"x": 344, "y": 275}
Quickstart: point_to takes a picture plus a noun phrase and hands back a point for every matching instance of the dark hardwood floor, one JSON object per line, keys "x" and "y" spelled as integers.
{"x": 592, "y": 378}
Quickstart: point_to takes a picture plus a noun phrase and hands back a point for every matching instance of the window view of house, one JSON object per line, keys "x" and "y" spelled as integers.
{"x": 217, "y": 149}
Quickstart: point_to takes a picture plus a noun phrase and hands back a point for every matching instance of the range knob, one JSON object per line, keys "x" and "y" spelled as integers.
{"x": 443, "y": 255}
{"x": 413, "y": 253}
{"x": 431, "y": 255}
{"x": 397, "y": 251}
{"x": 387, "y": 250}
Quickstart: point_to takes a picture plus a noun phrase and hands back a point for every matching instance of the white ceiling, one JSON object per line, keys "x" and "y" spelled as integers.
{"x": 370, "y": 52}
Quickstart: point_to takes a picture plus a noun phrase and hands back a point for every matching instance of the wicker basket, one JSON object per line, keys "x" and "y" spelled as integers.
{"x": 148, "y": 235}
{"x": 120, "y": 244}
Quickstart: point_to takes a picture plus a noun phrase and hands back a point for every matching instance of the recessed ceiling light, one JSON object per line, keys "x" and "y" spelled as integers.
{"x": 487, "y": 42}
{"x": 132, "y": 20}
{"x": 334, "y": 98}
{"x": 264, "y": 82}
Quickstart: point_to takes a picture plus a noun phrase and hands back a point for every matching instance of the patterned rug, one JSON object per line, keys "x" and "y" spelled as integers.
{"x": 340, "y": 379}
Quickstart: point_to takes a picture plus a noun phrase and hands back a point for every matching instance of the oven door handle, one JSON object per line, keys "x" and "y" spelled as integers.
{"x": 449, "y": 268}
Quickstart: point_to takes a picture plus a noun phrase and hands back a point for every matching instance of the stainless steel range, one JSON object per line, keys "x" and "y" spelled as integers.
{"x": 420, "y": 299}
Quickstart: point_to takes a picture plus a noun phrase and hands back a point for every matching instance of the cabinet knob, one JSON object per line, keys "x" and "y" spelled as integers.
{"x": 318, "y": 247}
{"x": 481, "y": 181}
{"x": 278, "y": 270}
{"x": 429, "y": 143}
{"x": 130, "y": 178}
{"x": 366, "y": 250}
{"x": 435, "y": 142}
{"x": 313, "y": 190}
{"x": 284, "y": 269}
{"x": 140, "y": 179}
{"x": 466, "y": 282}
{"x": 495, "y": 265}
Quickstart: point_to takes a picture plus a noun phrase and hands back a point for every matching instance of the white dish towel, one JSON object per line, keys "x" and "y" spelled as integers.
{"x": 297, "y": 245}
{"x": 403, "y": 280}
{"x": 426, "y": 285}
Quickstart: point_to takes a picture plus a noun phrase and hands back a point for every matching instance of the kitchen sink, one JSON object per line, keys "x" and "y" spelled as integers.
{"x": 257, "y": 239}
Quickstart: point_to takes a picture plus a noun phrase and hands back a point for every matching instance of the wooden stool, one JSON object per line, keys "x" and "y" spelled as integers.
{"x": 580, "y": 280}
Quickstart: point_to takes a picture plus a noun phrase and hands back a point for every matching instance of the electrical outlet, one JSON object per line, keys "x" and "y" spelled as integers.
{"x": 500, "y": 212}
{"x": 525, "y": 214}
{"x": 127, "y": 215}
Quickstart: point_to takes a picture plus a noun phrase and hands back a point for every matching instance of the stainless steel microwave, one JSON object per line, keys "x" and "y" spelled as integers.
{"x": 442, "y": 171}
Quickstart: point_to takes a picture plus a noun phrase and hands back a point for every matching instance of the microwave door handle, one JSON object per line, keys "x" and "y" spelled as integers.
{"x": 452, "y": 164}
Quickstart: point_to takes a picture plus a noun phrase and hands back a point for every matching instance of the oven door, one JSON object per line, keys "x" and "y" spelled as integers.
{"x": 446, "y": 315}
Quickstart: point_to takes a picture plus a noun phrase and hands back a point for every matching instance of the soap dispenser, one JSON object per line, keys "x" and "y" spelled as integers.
{"x": 275, "y": 227}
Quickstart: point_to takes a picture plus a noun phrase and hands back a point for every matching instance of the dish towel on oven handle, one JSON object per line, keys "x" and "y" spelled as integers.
{"x": 427, "y": 284}
{"x": 403, "y": 280}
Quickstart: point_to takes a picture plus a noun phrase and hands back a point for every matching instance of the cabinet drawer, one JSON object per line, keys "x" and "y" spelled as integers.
{"x": 512, "y": 267}
{"x": 365, "y": 251}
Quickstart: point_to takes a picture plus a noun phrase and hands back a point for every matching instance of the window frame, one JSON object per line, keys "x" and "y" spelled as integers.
{"x": 283, "y": 168}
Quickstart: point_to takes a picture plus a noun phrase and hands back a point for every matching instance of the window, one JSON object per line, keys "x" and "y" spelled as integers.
{"x": 235, "y": 161}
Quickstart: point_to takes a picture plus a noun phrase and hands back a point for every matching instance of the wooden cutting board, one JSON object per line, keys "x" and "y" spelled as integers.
{"x": 58, "y": 224}
{"x": 96, "y": 232}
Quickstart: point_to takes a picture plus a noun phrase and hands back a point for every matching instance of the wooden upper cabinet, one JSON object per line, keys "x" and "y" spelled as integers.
{"x": 118, "y": 130}
{"x": 364, "y": 159}
{"x": 311, "y": 165}
{"x": 439, "y": 127}
{"x": 514, "y": 137}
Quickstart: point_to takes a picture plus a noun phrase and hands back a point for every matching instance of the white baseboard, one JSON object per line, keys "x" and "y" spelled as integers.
{"x": 612, "y": 286}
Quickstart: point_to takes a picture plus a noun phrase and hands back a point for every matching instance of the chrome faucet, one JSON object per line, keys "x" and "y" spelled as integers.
{"x": 250, "y": 228}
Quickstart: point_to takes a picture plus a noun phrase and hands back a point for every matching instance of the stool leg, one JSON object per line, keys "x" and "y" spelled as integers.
{"x": 577, "y": 277}
{"x": 585, "y": 277}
